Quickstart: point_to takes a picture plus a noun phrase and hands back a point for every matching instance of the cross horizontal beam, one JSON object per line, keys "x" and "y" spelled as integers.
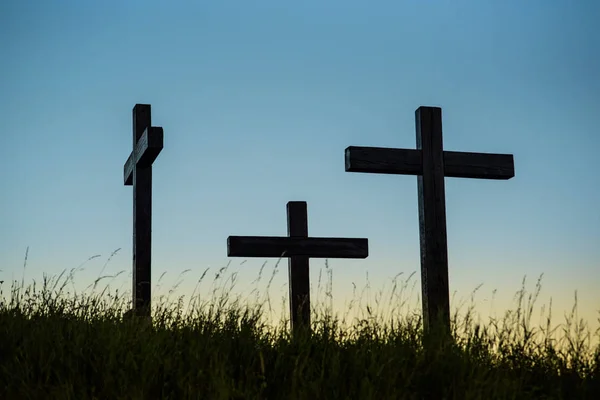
{"x": 273, "y": 246}
{"x": 147, "y": 149}
{"x": 457, "y": 164}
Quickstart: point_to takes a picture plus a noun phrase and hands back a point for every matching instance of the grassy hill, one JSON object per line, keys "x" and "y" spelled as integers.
{"x": 56, "y": 346}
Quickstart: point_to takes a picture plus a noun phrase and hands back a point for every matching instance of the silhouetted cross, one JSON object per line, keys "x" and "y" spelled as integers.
{"x": 147, "y": 144}
{"x": 431, "y": 163}
{"x": 298, "y": 248}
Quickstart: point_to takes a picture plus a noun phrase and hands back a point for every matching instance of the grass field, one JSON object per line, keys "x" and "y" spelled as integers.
{"x": 58, "y": 345}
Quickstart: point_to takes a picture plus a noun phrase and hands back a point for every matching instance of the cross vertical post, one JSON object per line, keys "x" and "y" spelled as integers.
{"x": 137, "y": 172}
{"x": 298, "y": 271}
{"x": 431, "y": 163}
{"x": 432, "y": 217}
{"x": 299, "y": 248}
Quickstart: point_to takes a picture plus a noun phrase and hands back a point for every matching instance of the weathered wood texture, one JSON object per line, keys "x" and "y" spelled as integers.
{"x": 298, "y": 266}
{"x": 457, "y": 164}
{"x": 277, "y": 246}
{"x": 298, "y": 248}
{"x": 431, "y": 164}
{"x": 432, "y": 217}
{"x": 146, "y": 151}
{"x": 137, "y": 171}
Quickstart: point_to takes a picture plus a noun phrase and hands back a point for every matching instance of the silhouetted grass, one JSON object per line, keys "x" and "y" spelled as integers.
{"x": 58, "y": 345}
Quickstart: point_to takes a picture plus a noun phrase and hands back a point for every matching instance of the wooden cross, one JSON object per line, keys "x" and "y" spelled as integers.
{"x": 147, "y": 144}
{"x": 431, "y": 163}
{"x": 298, "y": 248}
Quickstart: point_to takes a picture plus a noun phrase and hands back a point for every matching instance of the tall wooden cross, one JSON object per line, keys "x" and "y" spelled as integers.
{"x": 431, "y": 164}
{"x": 298, "y": 248}
{"x": 147, "y": 144}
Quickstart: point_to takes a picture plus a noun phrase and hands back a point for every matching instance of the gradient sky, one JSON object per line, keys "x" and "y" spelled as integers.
{"x": 259, "y": 99}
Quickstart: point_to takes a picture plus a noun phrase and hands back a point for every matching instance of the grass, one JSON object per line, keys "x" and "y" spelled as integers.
{"x": 60, "y": 345}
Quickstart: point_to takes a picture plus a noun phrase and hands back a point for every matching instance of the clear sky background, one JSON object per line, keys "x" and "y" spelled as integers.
{"x": 259, "y": 99}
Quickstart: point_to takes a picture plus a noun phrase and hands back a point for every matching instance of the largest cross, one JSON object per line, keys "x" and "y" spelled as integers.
{"x": 431, "y": 164}
{"x": 147, "y": 144}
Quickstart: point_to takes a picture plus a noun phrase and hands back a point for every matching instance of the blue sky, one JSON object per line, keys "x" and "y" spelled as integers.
{"x": 258, "y": 101}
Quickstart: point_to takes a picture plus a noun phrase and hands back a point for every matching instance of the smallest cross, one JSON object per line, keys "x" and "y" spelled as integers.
{"x": 298, "y": 248}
